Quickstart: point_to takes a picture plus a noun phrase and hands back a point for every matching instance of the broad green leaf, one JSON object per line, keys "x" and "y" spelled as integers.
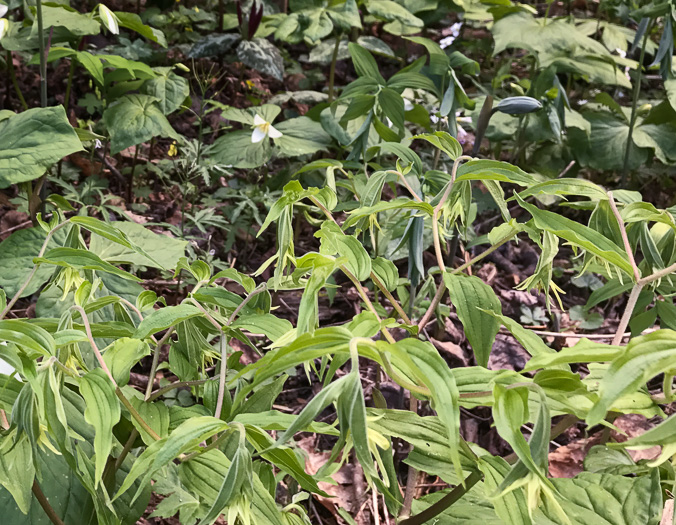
{"x": 301, "y": 136}
{"x": 443, "y": 141}
{"x": 61, "y": 16}
{"x": 146, "y": 248}
{"x": 580, "y": 187}
{"x": 494, "y": 170}
{"x": 335, "y": 242}
{"x": 123, "y": 355}
{"x": 601, "y": 499}
{"x": 470, "y": 295}
{"x": 17, "y": 472}
{"x": 17, "y": 253}
{"x": 93, "y": 66}
{"x": 82, "y": 260}
{"x": 134, "y": 119}
{"x": 155, "y": 414}
{"x": 102, "y": 412}
{"x": 164, "y": 318}
{"x": 237, "y": 150}
{"x": 169, "y": 88}
{"x": 386, "y": 272}
{"x": 512, "y": 506}
{"x": 133, "y": 22}
{"x": 644, "y": 358}
{"x": 32, "y": 141}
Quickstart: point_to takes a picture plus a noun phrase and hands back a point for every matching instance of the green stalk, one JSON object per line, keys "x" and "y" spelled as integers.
{"x": 332, "y": 70}
{"x": 43, "y": 58}
{"x": 634, "y": 103}
{"x": 12, "y": 77}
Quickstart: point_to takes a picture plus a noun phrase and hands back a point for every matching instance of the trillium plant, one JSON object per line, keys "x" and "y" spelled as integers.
{"x": 263, "y": 129}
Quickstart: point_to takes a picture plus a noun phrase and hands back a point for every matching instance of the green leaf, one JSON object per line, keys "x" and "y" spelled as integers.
{"x": 123, "y": 355}
{"x": 169, "y": 88}
{"x": 579, "y": 235}
{"x": 133, "y": 22}
{"x": 444, "y": 141}
{"x": 301, "y": 136}
{"x": 27, "y": 336}
{"x": 335, "y": 242}
{"x": 187, "y": 436}
{"x": 32, "y": 142}
{"x": 470, "y": 295}
{"x": 239, "y": 479}
{"x": 102, "y": 412}
{"x": 392, "y": 105}
{"x": 146, "y": 248}
{"x": 17, "y": 473}
{"x": 17, "y": 253}
{"x": 393, "y": 12}
{"x": 61, "y": 16}
{"x": 386, "y": 272}
{"x": 82, "y": 260}
{"x": 600, "y": 499}
{"x": 644, "y": 358}
{"x": 237, "y": 150}
{"x": 266, "y": 324}
{"x": 134, "y": 119}
{"x": 364, "y": 63}
{"x": 261, "y": 55}
{"x": 164, "y": 318}
{"x": 155, "y": 414}
{"x": 93, "y": 66}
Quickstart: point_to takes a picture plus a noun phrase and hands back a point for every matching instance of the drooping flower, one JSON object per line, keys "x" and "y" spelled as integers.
{"x": 262, "y": 128}
{"x": 109, "y": 19}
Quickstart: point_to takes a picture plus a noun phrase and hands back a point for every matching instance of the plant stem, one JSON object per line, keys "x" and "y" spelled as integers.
{"x": 628, "y": 311}
{"x": 43, "y": 57}
{"x": 445, "y": 502}
{"x": 135, "y": 414}
{"x": 412, "y": 478}
{"x": 625, "y": 238}
{"x": 44, "y": 503}
{"x": 442, "y": 285}
{"x": 634, "y": 103}
{"x": 69, "y": 85}
{"x": 178, "y": 384}
{"x": 332, "y": 69}
{"x": 17, "y": 295}
{"x": 12, "y": 77}
{"x": 156, "y": 361}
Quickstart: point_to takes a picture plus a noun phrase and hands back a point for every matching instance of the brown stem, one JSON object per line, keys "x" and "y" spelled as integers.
{"x": 625, "y": 238}
{"x": 412, "y": 478}
{"x": 44, "y": 503}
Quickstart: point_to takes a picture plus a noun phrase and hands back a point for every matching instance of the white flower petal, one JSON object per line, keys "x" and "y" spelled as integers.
{"x": 258, "y": 120}
{"x": 109, "y": 19}
{"x": 408, "y": 105}
{"x": 274, "y": 132}
{"x": 258, "y": 135}
{"x": 3, "y": 9}
{"x": 4, "y": 26}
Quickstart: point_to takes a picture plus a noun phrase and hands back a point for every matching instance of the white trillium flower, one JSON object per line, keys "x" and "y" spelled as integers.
{"x": 4, "y": 26}
{"x": 262, "y": 128}
{"x": 109, "y": 19}
{"x": 3, "y": 9}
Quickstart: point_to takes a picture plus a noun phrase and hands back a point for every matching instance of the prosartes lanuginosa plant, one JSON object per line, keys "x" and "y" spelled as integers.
{"x": 346, "y": 262}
